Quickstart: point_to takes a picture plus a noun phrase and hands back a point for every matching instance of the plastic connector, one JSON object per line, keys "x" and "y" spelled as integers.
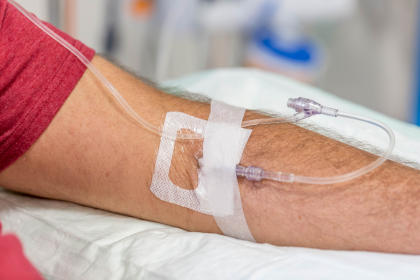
{"x": 257, "y": 174}
{"x": 251, "y": 173}
{"x": 310, "y": 107}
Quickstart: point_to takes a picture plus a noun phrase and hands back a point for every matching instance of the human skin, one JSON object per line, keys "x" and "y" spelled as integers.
{"x": 94, "y": 154}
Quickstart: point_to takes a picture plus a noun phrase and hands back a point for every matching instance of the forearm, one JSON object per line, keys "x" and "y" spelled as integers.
{"x": 378, "y": 212}
{"x": 95, "y": 155}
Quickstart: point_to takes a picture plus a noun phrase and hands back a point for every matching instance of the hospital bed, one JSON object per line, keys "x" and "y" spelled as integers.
{"x": 68, "y": 241}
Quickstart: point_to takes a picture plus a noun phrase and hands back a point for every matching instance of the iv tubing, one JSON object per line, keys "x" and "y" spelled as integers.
{"x": 87, "y": 63}
{"x": 251, "y": 173}
{"x": 115, "y": 93}
{"x": 257, "y": 174}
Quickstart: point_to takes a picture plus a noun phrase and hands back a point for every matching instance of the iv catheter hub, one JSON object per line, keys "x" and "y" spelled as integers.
{"x": 309, "y": 107}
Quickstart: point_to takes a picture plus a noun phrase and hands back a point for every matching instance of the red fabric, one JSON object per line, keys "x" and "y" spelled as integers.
{"x": 13, "y": 264}
{"x": 36, "y": 77}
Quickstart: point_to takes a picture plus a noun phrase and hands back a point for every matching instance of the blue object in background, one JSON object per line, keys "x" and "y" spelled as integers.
{"x": 303, "y": 52}
{"x": 300, "y": 58}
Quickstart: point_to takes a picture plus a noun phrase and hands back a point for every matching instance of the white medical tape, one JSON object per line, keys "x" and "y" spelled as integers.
{"x": 162, "y": 186}
{"x": 217, "y": 192}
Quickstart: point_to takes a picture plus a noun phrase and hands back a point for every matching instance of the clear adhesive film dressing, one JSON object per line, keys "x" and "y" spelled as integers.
{"x": 251, "y": 173}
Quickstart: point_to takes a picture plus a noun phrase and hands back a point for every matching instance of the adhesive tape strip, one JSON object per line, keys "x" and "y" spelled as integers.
{"x": 218, "y": 190}
{"x": 162, "y": 186}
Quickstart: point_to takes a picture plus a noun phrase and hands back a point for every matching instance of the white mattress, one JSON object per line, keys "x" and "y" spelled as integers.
{"x": 67, "y": 241}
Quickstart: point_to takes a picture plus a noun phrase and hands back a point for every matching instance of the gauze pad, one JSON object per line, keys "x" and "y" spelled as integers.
{"x": 217, "y": 192}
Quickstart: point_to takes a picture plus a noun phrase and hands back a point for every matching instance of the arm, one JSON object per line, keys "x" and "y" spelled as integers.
{"x": 94, "y": 155}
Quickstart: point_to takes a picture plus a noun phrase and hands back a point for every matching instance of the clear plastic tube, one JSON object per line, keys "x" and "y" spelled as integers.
{"x": 253, "y": 173}
{"x": 116, "y": 94}
{"x": 304, "y": 107}
{"x": 268, "y": 121}
{"x": 362, "y": 171}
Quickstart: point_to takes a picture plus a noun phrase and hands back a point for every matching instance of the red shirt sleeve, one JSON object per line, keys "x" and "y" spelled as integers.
{"x": 13, "y": 263}
{"x": 36, "y": 76}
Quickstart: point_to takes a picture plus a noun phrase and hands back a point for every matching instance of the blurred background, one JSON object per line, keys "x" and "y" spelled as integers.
{"x": 364, "y": 51}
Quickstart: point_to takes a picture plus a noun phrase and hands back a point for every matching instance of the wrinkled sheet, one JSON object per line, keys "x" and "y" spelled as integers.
{"x": 67, "y": 241}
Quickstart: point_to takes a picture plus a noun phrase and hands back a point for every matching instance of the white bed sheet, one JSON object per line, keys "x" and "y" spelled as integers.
{"x": 67, "y": 241}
